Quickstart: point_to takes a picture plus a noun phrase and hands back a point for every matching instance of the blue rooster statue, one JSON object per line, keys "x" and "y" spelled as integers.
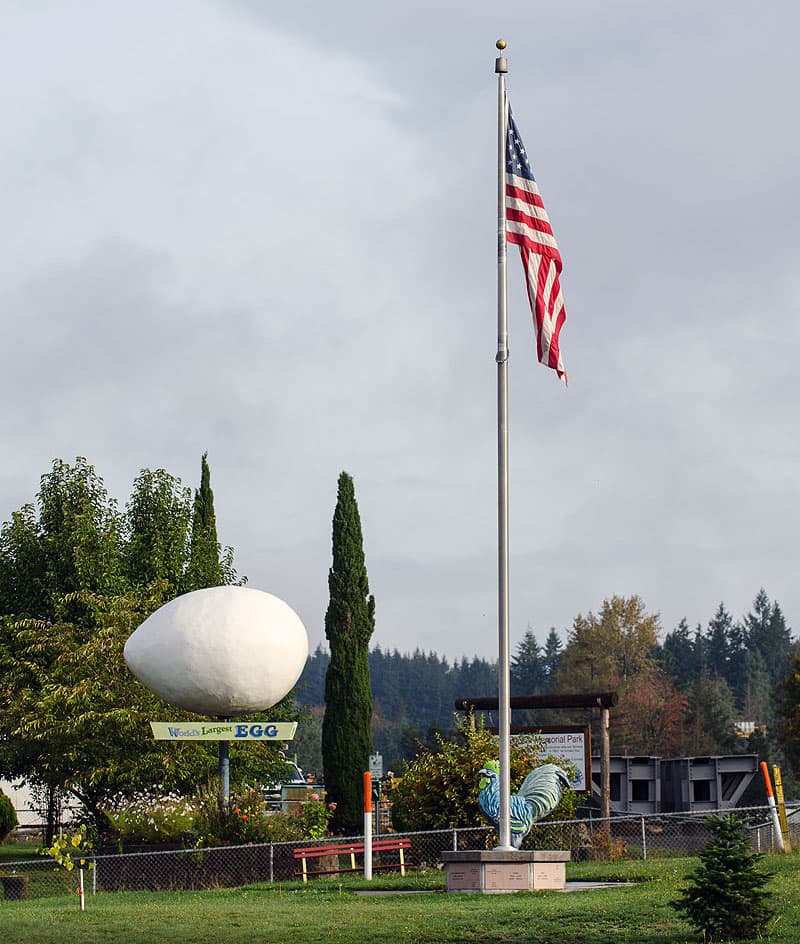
{"x": 539, "y": 795}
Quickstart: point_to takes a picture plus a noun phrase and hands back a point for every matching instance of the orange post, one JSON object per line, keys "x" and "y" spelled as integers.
{"x": 776, "y": 823}
{"x": 767, "y": 781}
{"x": 367, "y": 792}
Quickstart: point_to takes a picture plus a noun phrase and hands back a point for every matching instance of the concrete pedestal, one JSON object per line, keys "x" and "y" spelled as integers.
{"x": 495, "y": 871}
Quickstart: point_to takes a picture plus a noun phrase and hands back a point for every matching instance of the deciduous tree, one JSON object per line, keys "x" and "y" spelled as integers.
{"x": 605, "y": 649}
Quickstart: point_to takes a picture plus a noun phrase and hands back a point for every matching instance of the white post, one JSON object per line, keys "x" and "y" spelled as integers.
{"x": 368, "y": 826}
{"x": 80, "y": 889}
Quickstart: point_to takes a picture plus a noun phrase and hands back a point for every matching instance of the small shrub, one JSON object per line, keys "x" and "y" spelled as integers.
{"x": 8, "y": 816}
{"x": 71, "y": 849}
{"x": 606, "y": 849}
{"x": 726, "y": 899}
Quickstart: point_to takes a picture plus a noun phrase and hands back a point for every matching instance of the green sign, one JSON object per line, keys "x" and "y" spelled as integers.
{"x": 223, "y": 730}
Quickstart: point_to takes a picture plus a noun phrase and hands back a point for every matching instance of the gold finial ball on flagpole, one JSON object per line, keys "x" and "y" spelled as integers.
{"x": 501, "y": 44}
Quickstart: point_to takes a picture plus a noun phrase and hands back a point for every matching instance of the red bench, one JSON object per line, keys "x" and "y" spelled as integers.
{"x": 351, "y": 849}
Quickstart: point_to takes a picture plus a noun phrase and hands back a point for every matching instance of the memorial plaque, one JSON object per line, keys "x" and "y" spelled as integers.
{"x": 549, "y": 875}
{"x": 506, "y": 876}
{"x": 465, "y": 877}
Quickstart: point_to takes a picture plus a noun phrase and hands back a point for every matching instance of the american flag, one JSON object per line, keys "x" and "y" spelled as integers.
{"x": 528, "y": 226}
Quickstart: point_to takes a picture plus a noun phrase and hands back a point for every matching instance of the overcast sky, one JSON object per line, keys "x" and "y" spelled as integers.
{"x": 268, "y": 231}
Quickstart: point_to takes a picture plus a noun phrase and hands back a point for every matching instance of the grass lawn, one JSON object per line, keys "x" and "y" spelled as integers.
{"x": 17, "y": 851}
{"x": 331, "y": 911}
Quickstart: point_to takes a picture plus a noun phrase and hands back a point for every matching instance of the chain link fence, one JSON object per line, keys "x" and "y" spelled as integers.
{"x": 619, "y": 837}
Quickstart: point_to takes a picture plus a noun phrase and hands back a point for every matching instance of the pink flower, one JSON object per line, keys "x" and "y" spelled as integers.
{"x": 314, "y": 796}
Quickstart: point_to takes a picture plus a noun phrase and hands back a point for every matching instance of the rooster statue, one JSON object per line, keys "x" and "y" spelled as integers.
{"x": 539, "y": 795}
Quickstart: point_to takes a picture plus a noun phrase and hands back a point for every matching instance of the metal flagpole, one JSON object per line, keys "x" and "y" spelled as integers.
{"x": 503, "y": 670}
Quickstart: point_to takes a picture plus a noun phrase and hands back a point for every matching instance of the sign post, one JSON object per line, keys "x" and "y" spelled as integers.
{"x": 224, "y": 730}
{"x": 368, "y": 826}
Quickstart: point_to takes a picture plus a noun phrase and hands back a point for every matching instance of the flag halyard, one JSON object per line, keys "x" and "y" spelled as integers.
{"x": 528, "y": 226}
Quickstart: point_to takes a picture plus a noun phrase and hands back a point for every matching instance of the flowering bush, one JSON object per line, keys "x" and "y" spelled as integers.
{"x": 314, "y": 816}
{"x": 67, "y": 850}
{"x": 150, "y": 816}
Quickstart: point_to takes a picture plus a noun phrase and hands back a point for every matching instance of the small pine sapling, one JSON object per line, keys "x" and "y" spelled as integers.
{"x": 726, "y": 898}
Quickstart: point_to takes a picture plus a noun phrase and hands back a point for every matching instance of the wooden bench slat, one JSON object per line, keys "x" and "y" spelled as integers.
{"x": 351, "y": 850}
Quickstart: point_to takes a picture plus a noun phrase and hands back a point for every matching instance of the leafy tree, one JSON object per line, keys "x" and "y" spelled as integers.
{"x": 75, "y": 579}
{"x": 652, "y": 715}
{"x": 606, "y": 649}
{"x": 79, "y": 720}
{"x": 8, "y": 816}
{"x": 439, "y": 788}
{"x": 156, "y": 527}
{"x": 79, "y": 531}
{"x": 23, "y": 571}
{"x": 349, "y": 624}
{"x": 726, "y": 898}
{"x": 528, "y": 673}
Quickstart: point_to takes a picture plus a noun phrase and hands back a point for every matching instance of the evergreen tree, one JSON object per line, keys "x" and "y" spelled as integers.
{"x": 210, "y": 565}
{"x": 678, "y": 654}
{"x": 717, "y": 643}
{"x": 756, "y": 689}
{"x": 349, "y": 623}
{"x": 310, "y": 688}
{"x": 766, "y": 631}
{"x": 789, "y": 715}
{"x": 726, "y": 898}
{"x": 553, "y": 648}
{"x": 712, "y": 714}
{"x": 528, "y": 675}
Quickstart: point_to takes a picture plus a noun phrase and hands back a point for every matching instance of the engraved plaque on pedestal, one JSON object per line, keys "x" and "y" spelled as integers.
{"x": 548, "y": 875}
{"x": 462, "y": 878}
{"x": 506, "y": 876}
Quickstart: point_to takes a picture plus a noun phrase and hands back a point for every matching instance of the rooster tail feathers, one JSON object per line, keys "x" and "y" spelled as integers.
{"x": 542, "y": 789}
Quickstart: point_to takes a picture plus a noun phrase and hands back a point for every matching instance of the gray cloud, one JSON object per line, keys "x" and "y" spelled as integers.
{"x": 269, "y": 233}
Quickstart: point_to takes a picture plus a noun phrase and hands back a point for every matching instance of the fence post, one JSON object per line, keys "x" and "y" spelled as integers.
{"x": 644, "y": 841}
{"x": 94, "y": 877}
{"x": 271, "y": 864}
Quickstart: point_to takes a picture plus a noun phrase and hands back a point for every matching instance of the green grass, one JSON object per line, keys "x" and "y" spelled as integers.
{"x": 331, "y": 911}
{"x": 18, "y": 851}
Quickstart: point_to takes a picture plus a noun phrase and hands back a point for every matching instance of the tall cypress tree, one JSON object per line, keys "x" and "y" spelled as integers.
{"x": 349, "y": 623}
{"x": 209, "y": 564}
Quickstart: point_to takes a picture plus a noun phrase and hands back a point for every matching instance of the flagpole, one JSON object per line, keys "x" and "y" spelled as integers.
{"x": 503, "y": 670}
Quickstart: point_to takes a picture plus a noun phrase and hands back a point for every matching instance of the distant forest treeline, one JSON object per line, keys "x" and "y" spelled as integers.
{"x": 679, "y": 695}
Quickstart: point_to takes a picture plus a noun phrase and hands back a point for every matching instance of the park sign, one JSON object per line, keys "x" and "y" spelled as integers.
{"x": 570, "y": 742}
{"x": 223, "y": 730}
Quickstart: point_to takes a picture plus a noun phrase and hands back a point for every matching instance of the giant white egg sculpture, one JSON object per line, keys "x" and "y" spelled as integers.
{"x": 223, "y": 651}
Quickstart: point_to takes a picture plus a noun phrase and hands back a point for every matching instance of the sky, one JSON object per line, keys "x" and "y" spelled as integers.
{"x": 268, "y": 231}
